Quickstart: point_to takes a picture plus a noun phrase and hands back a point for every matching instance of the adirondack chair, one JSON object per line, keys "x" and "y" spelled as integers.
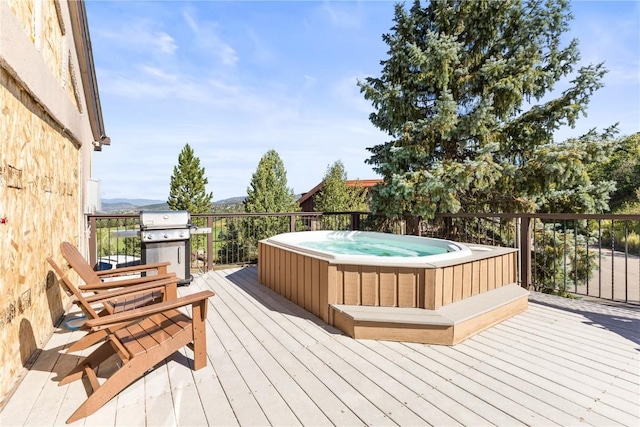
{"x": 94, "y": 280}
{"x": 150, "y": 334}
{"x": 115, "y": 300}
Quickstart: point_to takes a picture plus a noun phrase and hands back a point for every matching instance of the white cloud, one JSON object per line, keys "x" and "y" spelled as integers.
{"x": 158, "y": 73}
{"x": 154, "y": 83}
{"x": 165, "y": 43}
{"x": 261, "y": 52}
{"x": 348, "y": 92}
{"x": 309, "y": 81}
{"x": 141, "y": 35}
{"x": 343, "y": 15}
{"x": 208, "y": 41}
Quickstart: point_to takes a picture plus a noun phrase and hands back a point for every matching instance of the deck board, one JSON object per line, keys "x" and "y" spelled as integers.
{"x": 447, "y": 381}
{"x": 574, "y": 390}
{"x": 270, "y": 362}
{"x": 584, "y": 371}
{"x": 282, "y": 347}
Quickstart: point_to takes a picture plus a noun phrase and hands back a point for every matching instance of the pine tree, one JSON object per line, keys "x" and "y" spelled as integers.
{"x": 187, "y": 187}
{"x": 623, "y": 166}
{"x": 464, "y": 96}
{"x": 336, "y": 195}
{"x": 267, "y": 193}
{"x": 237, "y": 246}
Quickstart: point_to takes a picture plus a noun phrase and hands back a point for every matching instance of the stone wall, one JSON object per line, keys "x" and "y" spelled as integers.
{"x": 45, "y": 142}
{"x": 39, "y": 199}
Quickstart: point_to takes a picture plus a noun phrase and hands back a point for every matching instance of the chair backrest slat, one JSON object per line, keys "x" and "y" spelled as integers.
{"x": 71, "y": 290}
{"x": 78, "y": 263}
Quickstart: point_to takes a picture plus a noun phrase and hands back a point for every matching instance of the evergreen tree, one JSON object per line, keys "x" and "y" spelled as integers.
{"x": 187, "y": 187}
{"x": 268, "y": 193}
{"x": 237, "y": 246}
{"x": 623, "y": 166}
{"x": 336, "y": 195}
{"x": 464, "y": 96}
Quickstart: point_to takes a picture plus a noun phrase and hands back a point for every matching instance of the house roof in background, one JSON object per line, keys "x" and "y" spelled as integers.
{"x": 367, "y": 183}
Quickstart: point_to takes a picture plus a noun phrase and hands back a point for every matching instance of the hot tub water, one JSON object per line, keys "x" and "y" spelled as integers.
{"x": 375, "y": 247}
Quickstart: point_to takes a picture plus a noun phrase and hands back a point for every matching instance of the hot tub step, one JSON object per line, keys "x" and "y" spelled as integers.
{"x": 447, "y": 325}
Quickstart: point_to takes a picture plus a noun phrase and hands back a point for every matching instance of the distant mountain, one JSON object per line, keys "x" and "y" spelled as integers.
{"x": 136, "y": 205}
{"x": 108, "y": 207}
{"x": 164, "y": 206}
{"x": 134, "y": 202}
{"x": 129, "y": 205}
{"x": 230, "y": 201}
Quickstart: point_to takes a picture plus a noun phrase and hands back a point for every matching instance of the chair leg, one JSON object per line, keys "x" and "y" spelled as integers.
{"x": 114, "y": 385}
{"x": 199, "y": 337}
{"x": 88, "y": 340}
{"x": 98, "y": 356}
{"x": 121, "y": 379}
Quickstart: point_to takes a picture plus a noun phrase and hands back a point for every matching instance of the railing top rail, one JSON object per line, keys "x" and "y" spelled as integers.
{"x": 113, "y": 216}
{"x": 564, "y": 216}
{"x": 235, "y": 214}
{"x": 567, "y": 216}
{"x": 260, "y": 214}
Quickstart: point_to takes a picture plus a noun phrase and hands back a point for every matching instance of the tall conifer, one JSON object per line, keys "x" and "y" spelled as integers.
{"x": 187, "y": 187}
{"x": 268, "y": 192}
{"x": 469, "y": 96}
{"x": 336, "y": 195}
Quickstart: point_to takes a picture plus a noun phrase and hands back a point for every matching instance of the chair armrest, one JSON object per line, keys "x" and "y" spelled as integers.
{"x": 110, "y": 320}
{"x": 130, "y": 290}
{"x": 125, "y": 282}
{"x": 161, "y": 267}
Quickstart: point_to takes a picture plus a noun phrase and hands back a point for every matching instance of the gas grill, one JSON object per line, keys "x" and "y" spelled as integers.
{"x": 166, "y": 236}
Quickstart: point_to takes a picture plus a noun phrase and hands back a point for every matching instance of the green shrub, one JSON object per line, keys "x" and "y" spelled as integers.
{"x": 622, "y": 235}
{"x": 561, "y": 258}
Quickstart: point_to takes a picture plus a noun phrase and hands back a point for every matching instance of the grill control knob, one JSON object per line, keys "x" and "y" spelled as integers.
{"x": 182, "y": 234}
{"x": 149, "y": 236}
{"x": 166, "y": 236}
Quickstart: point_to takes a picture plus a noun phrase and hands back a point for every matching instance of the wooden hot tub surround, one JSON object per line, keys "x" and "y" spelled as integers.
{"x": 441, "y": 303}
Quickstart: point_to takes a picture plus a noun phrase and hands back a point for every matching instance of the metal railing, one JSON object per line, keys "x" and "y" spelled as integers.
{"x": 593, "y": 255}
{"x": 589, "y": 255}
{"x": 232, "y": 240}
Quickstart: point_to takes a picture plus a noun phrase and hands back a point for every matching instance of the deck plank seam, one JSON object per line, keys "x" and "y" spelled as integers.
{"x": 508, "y": 390}
{"x": 547, "y": 398}
{"x": 273, "y": 337}
{"x": 577, "y": 392}
{"x": 588, "y": 368}
{"x": 308, "y": 347}
{"x": 245, "y": 342}
{"x": 478, "y": 390}
{"x": 302, "y": 362}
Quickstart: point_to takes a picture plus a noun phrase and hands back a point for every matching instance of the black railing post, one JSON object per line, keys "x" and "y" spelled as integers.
{"x": 525, "y": 251}
{"x": 93, "y": 239}
{"x": 210, "y": 244}
{"x": 413, "y": 225}
{"x": 355, "y": 221}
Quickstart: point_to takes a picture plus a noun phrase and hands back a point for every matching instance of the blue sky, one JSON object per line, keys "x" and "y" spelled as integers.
{"x": 235, "y": 79}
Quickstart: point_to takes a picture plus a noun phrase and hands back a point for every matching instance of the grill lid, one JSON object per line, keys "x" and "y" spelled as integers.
{"x": 164, "y": 219}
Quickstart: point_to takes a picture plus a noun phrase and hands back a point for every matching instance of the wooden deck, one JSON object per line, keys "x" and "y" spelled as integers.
{"x": 562, "y": 362}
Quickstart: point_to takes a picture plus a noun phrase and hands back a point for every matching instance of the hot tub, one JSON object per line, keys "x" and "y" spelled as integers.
{"x": 303, "y": 267}
{"x": 371, "y": 248}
